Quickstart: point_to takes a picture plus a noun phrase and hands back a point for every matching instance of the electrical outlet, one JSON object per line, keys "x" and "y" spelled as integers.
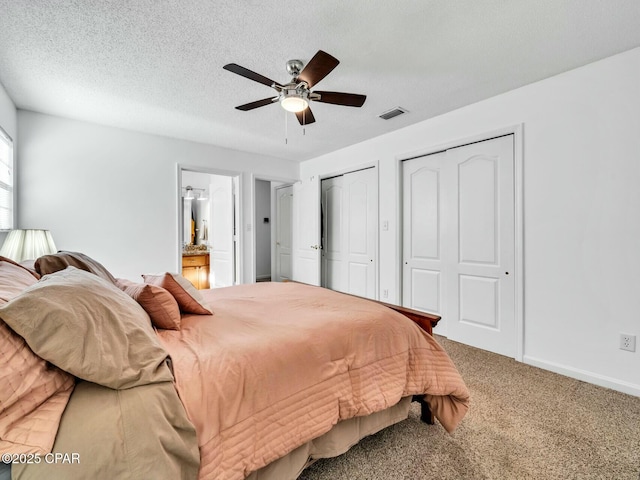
{"x": 627, "y": 342}
{"x": 385, "y": 293}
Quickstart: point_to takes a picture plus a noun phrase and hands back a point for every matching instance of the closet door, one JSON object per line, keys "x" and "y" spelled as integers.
{"x": 481, "y": 281}
{"x": 361, "y": 231}
{"x": 459, "y": 242}
{"x": 423, "y": 242}
{"x": 350, "y": 233}
{"x": 333, "y": 235}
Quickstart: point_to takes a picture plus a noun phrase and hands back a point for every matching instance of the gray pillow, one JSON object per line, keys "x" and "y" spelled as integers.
{"x": 89, "y": 328}
{"x": 61, "y": 260}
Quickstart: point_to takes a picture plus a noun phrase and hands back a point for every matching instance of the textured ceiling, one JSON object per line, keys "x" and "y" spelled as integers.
{"x": 156, "y": 65}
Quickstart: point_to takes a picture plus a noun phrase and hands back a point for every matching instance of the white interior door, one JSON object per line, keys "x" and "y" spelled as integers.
{"x": 306, "y": 228}
{"x": 284, "y": 214}
{"x": 482, "y": 263}
{"x": 422, "y": 242}
{"x": 361, "y": 231}
{"x": 350, "y": 227}
{"x": 237, "y": 230}
{"x": 221, "y": 234}
{"x": 470, "y": 190}
{"x": 333, "y": 247}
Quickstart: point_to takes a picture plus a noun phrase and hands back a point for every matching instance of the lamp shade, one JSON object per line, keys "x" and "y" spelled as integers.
{"x": 27, "y": 245}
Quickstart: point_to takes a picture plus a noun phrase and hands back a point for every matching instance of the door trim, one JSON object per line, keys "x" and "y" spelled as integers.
{"x": 517, "y": 131}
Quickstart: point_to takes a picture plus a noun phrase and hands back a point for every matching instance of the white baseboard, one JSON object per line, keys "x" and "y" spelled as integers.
{"x": 585, "y": 376}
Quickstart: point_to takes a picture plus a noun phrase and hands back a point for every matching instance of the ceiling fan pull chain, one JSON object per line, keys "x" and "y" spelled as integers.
{"x": 286, "y": 132}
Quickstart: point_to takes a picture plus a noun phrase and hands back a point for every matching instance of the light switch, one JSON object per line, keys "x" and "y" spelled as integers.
{"x": 385, "y": 225}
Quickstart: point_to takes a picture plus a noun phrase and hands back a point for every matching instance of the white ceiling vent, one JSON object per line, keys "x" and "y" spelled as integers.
{"x": 394, "y": 112}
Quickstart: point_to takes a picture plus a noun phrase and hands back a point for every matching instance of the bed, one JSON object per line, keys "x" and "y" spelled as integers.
{"x": 252, "y": 381}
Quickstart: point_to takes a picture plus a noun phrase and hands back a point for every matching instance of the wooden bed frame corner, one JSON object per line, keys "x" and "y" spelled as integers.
{"x": 425, "y": 321}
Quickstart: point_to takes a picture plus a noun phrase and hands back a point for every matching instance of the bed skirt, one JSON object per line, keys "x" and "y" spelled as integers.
{"x": 336, "y": 441}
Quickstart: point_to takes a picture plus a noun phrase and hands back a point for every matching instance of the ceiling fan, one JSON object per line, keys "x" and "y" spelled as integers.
{"x": 296, "y": 95}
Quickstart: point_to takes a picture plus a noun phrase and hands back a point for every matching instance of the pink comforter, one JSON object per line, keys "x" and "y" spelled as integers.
{"x": 279, "y": 364}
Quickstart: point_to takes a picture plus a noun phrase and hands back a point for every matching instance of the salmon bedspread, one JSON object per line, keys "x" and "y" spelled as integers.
{"x": 278, "y": 364}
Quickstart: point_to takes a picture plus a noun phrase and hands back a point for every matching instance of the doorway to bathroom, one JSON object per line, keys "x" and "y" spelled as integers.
{"x": 208, "y": 228}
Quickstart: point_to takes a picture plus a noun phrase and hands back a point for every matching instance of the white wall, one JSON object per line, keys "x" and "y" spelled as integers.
{"x": 581, "y": 210}
{"x": 112, "y": 193}
{"x": 8, "y": 122}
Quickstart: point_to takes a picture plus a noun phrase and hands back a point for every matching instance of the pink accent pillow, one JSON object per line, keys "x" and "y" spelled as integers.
{"x": 156, "y": 301}
{"x": 34, "y": 393}
{"x": 14, "y": 278}
{"x": 188, "y": 298}
{"x": 30, "y": 265}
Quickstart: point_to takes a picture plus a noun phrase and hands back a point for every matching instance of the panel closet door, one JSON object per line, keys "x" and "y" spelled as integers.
{"x": 423, "y": 242}
{"x": 463, "y": 201}
{"x": 333, "y": 236}
{"x": 361, "y": 231}
{"x": 350, "y": 233}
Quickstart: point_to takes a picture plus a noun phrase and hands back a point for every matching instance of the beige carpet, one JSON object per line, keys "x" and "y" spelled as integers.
{"x": 524, "y": 423}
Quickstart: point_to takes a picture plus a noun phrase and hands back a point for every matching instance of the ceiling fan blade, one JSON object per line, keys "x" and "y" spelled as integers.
{"x": 257, "y": 103}
{"x": 318, "y": 67}
{"x": 340, "y": 98}
{"x": 305, "y": 117}
{"x": 245, "y": 72}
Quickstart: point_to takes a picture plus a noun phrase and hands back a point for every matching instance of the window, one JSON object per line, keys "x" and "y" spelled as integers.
{"x": 6, "y": 181}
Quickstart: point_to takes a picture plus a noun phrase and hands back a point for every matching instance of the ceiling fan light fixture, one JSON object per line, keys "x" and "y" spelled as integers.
{"x": 296, "y": 95}
{"x": 294, "y": 103}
